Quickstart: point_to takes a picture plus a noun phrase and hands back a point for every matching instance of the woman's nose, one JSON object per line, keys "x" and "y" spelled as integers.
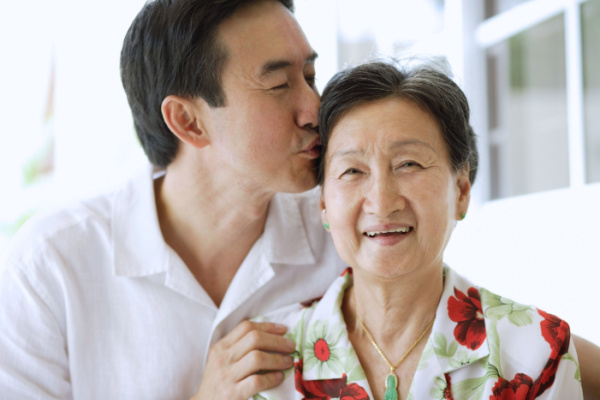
{"x": 383, "y": 196}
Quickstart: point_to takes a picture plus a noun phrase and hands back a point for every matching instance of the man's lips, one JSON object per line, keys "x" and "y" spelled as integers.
{"x": 313, "y": 149}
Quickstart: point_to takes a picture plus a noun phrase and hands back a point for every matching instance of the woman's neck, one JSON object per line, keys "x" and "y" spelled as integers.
{"x": 393, "y": 308}
{"x": 398, "y": 316}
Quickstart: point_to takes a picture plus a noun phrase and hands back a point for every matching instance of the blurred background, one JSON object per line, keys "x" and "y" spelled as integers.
{"x": 531, "y": 71}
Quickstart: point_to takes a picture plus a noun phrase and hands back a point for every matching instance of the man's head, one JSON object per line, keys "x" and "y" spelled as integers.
{"x": 173, "y": 48}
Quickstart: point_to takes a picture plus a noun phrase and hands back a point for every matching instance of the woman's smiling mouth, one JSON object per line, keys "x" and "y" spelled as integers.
{"x": 403, "y": 230}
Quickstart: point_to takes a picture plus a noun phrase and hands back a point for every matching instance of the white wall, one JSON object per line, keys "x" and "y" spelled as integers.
{"x": 541, "y": 249}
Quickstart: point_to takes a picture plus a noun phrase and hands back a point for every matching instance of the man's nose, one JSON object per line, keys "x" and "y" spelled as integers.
{"x": 308, "y": 107}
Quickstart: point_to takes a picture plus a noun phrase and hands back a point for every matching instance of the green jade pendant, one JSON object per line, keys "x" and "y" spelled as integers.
{"x": 391, "y": 387}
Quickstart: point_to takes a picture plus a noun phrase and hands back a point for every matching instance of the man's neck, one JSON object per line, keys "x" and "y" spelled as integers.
{"x": 211, "y": 225}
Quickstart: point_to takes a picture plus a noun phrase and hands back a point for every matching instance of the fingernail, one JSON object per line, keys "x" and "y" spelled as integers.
{"x": 290, "y": 344}
{"x": 280, "y": 327}
{"x": 289, "y": 360}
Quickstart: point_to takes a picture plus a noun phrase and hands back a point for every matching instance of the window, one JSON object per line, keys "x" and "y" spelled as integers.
{"x": 590, "y": 13}
{"x": 527, "y": 103}
{"x": 541, "y": 61}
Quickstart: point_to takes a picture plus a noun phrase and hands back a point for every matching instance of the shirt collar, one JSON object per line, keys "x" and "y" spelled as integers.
{"x": 135, "y": 226}
{"x": 326, "y": 349}
{"x": 327, "y": 323}
{"x": 285, "y": 237}
{"x": 459, "y": 335}
{"x": 137, "y": 242}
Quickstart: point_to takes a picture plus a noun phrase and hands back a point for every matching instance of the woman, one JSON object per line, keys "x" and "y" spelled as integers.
{"x": 399, "y": 161}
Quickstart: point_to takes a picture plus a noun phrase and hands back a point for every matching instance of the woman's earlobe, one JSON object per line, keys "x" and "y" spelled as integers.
{"x": 324, "y": 219}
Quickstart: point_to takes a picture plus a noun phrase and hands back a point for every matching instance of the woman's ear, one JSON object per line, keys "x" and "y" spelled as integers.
{"x": 182, "y": 116}
{"x": 463, "y": 195}
{"x": 324, "y": 219}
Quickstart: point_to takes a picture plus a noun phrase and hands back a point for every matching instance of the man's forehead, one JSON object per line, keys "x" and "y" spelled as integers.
{"x": 265, "y": 37}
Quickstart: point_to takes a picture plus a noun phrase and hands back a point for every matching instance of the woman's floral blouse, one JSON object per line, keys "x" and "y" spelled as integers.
{"x": 482, "y": 346}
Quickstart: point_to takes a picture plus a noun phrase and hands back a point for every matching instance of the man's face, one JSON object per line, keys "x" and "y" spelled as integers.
{"x": 266, "y": 132}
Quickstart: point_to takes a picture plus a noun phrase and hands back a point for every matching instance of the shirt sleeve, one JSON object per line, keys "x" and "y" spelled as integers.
{"x": 33, "y": 352}
{"x": 567, "y": 380}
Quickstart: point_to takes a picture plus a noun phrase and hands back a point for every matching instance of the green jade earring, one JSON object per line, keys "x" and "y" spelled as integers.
{"x": 326, "y": 225}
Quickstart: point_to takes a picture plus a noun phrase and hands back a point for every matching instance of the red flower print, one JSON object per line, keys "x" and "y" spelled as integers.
{"x": 310, "y": 302}
{"x": 321, "y": 350}
{"x": 466, "y": 310}
{"x": 353, "y": 392}
{"x": 556, "y": 332}
{"x": 326, "y": 389}
{"x": 448, "y": 389}
{"x": 517, "y": 389}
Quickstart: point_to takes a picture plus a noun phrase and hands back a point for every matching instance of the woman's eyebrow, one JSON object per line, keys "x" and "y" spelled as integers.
{"x": 396, "y": 144}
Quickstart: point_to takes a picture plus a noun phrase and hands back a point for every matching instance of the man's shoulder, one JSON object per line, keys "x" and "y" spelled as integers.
{"x": 61, "y": 226}
{"x": 66, "y": 227}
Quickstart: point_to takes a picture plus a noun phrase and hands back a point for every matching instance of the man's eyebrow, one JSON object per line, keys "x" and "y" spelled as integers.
{"x": 276, "y": 65}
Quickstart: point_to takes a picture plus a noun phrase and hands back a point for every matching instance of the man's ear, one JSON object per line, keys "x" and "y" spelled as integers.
{"x": 182, "y": 116}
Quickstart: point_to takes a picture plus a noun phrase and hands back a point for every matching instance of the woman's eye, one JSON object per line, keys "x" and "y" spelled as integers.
{"x": 408, "y": 164}
{"x": 282, "y": 86}
{"x": 311, "y": 80}
{"x": 351, "y": 171}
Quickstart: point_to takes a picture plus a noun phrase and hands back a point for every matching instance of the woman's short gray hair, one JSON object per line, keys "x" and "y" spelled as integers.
{"x": 423, "y": 85}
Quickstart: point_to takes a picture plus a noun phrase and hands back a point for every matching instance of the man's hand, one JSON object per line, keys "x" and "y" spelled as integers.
{"x": 246, "y": 361}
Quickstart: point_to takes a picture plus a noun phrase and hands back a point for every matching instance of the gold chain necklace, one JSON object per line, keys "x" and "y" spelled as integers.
{"x": 391, "y": 381}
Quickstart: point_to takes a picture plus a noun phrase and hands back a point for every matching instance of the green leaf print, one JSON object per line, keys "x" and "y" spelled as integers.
{"x": 469, "y": 388}
{"x": 499, "y": 307}
{"x": 569, "y": 356}
{"x": 463, "y": 358}
{"x": 441, "y": 346}
{"x": 437, "y": 391}
{"x": 425, "y": 356}
{"x": 494, "y": 346}
{"x": 352, "y": 367}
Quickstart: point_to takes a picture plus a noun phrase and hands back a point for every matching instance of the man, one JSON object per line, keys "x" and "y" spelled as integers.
{"x": 123, "y": 295}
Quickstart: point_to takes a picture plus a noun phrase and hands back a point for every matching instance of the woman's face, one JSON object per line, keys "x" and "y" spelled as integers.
{"x": 389, "y": 194}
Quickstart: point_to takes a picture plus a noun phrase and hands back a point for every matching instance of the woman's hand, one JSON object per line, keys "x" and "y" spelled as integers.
{"x": 246, "y": 361}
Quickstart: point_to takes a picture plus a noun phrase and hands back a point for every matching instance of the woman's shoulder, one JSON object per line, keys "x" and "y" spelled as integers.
{"x": 522, "y": 342}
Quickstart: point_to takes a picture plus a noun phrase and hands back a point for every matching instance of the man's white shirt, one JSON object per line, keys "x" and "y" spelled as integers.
{"x": 95, "y": 305}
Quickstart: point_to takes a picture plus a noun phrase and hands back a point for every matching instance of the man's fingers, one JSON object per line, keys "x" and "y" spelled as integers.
{"x": 246, "y": 327}
{"x": 258, "y": 340}
{"x": 260, "y": 382}
{"x": 246, "y": 361}
{"x": 259, "y": 362}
